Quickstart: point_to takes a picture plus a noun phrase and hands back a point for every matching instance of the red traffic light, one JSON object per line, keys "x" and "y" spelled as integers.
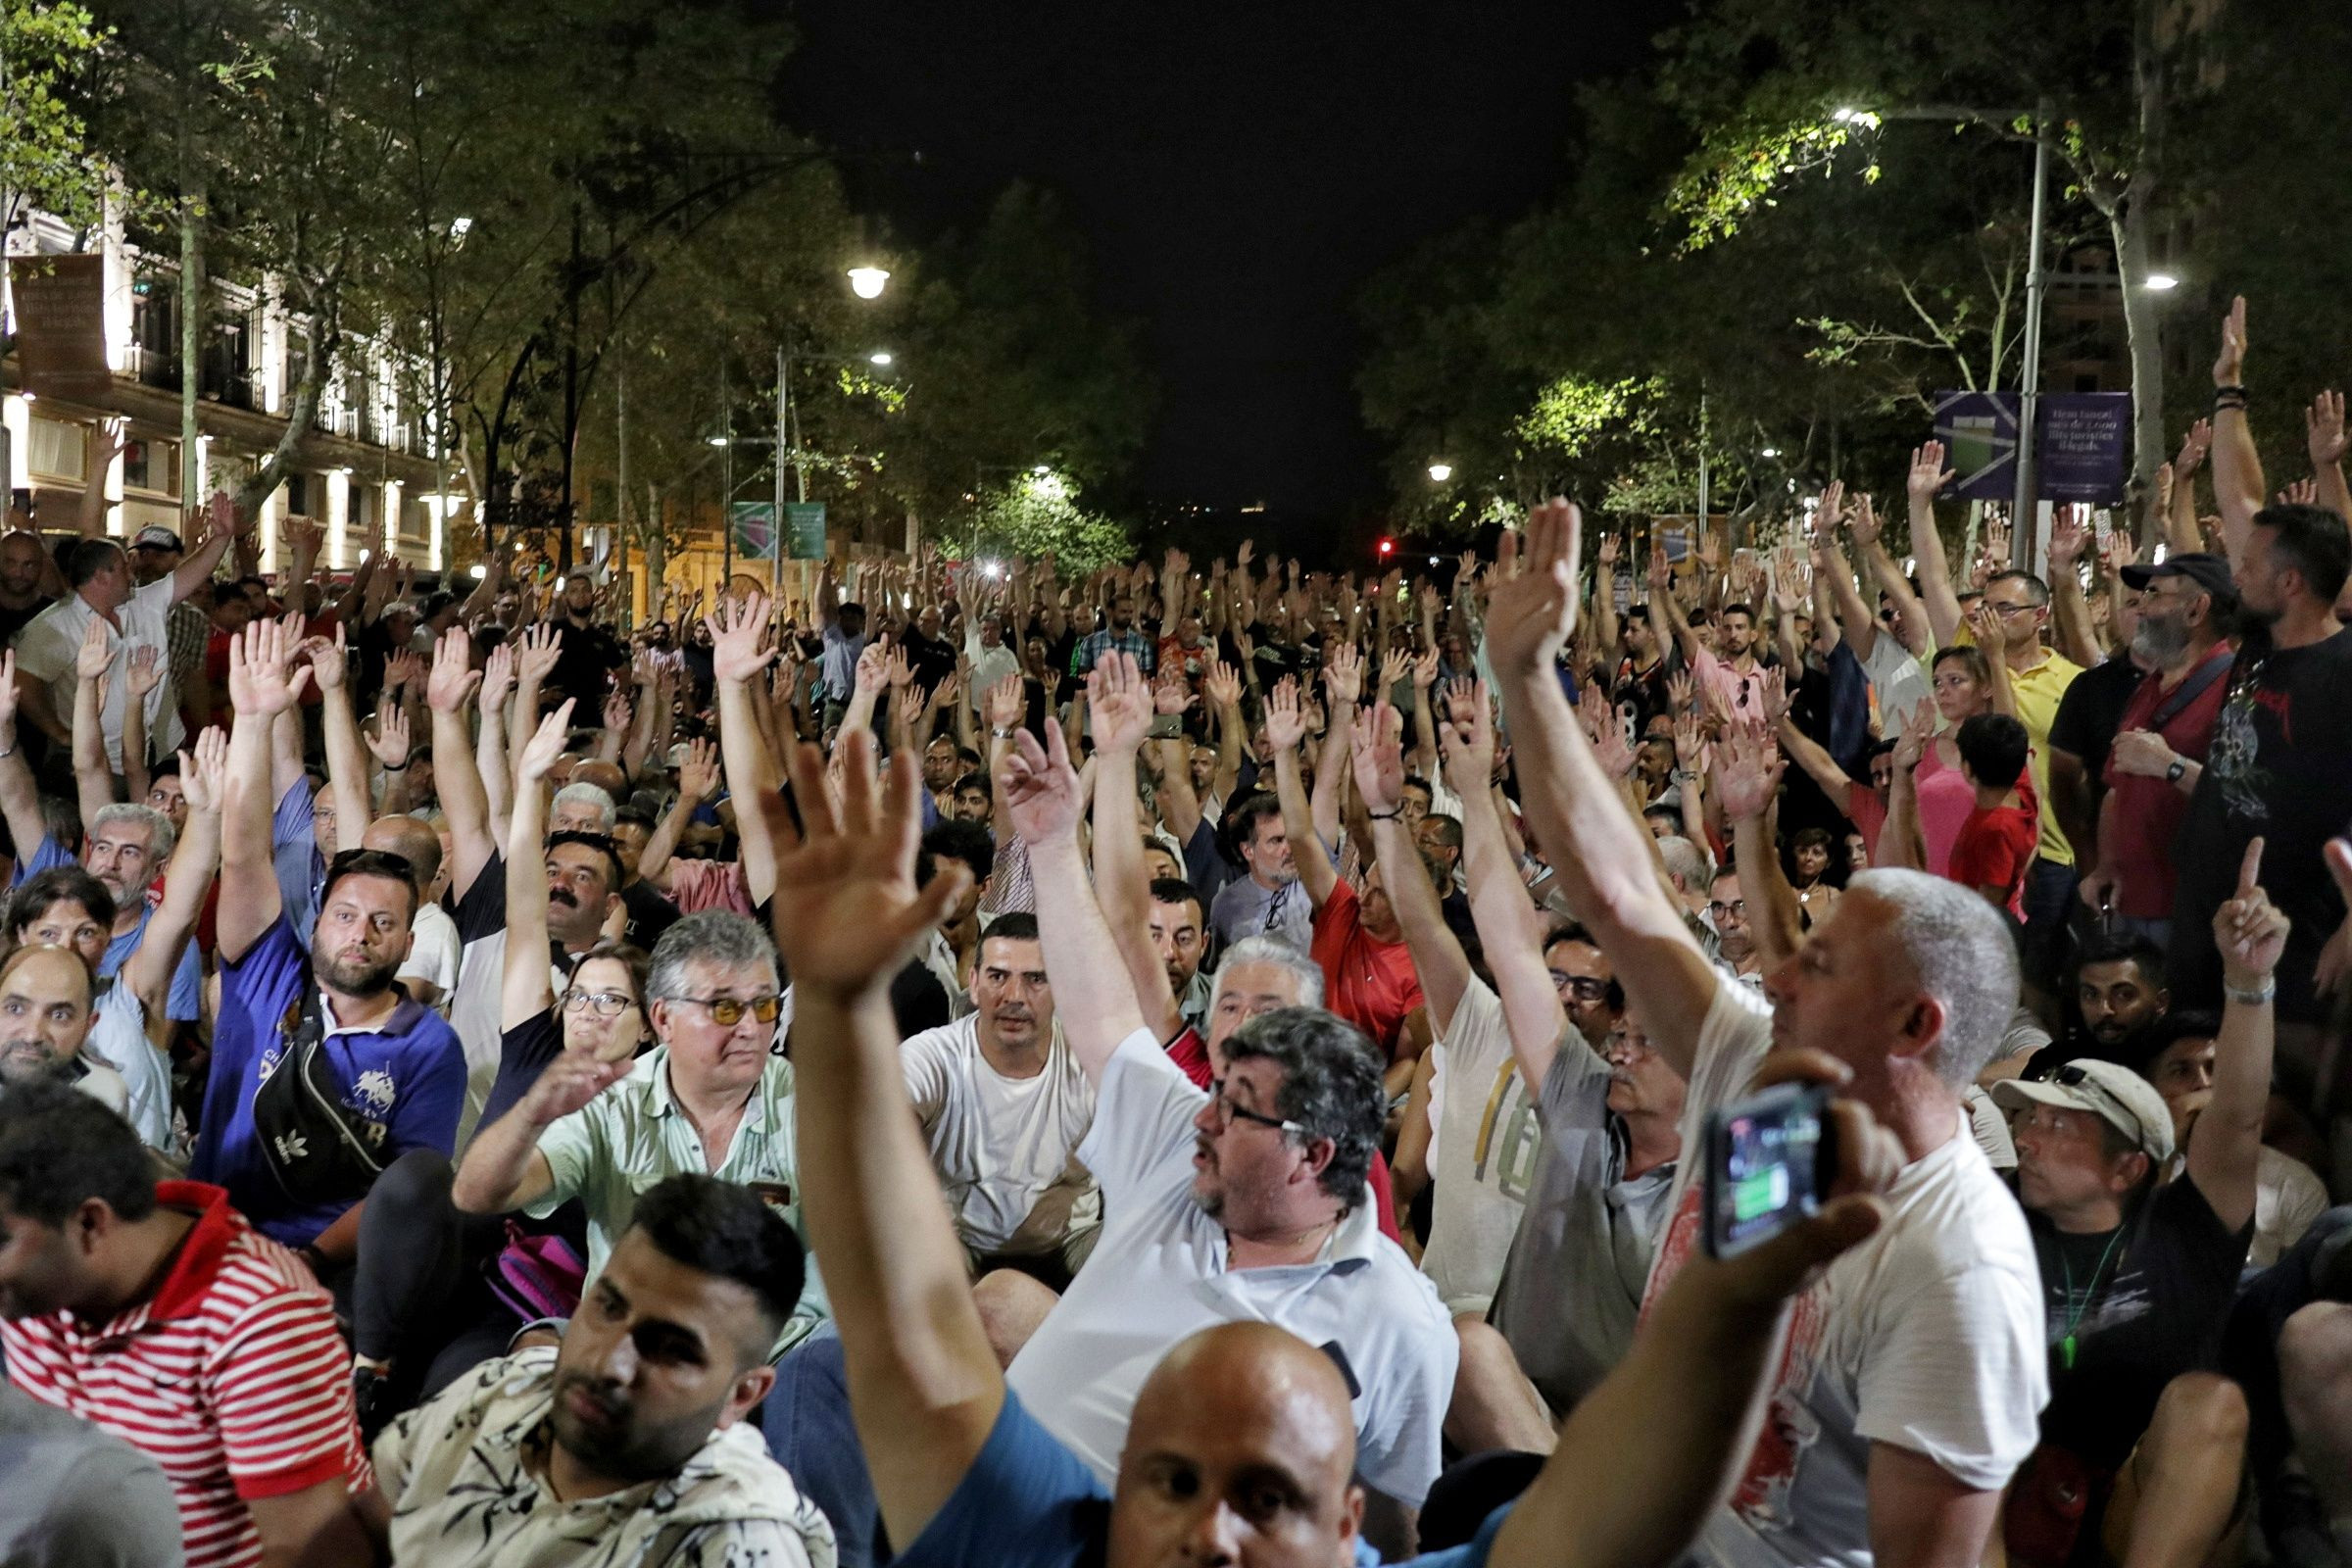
{"x": 1388, "y": 547}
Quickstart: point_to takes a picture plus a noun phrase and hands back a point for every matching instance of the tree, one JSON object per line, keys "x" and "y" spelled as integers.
{"x": 1035, "y": 514}
{"x": 45, "y": 160}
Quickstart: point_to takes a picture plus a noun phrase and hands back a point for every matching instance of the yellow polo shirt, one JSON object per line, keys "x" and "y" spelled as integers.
{"x": 2038, "y": 691}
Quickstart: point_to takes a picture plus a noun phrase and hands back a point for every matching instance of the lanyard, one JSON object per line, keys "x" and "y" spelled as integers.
{"x": 2066, "y": 1346}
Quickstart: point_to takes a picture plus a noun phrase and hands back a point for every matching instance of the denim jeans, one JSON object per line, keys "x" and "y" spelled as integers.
{"x": 806, "y": 1422}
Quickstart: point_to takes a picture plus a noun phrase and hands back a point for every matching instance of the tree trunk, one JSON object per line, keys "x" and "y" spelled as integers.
{"x": 2144, "y": 330}
{"x": 322, "y": 340}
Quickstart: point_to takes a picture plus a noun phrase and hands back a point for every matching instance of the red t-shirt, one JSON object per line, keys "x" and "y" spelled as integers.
{"x": 2149, "y": 812}
{"x": 1996, "y": 849}
{"x": 1867, "y": 812}
{"x": 1190, "y": 1053}
{"x": 1372, "y": 984}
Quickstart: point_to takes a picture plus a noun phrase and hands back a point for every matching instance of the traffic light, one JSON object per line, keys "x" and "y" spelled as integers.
{"x": 1387, "y": 547}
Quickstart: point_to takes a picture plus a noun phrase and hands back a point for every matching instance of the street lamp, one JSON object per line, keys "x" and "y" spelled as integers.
{"x": 879, "y": 357}
{"x": 866, "y": 282}
{"x": 2159, "y": 281}
{"x": 1440, "y": 473}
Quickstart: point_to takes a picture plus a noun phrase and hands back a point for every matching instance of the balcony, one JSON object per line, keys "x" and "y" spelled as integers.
{"x": 226, "y": 378}
{"x": 156, "y": 368}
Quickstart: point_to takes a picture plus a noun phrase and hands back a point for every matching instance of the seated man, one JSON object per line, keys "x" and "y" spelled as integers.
{"x": 2288, "y": 1195}
{"x": 1002, "y": 1106}
{"x": 323, "y": 1071}
{"x": 712, "y": 1098}
{"x": 628, "y": 1440}
{"x": 113, "y": 1285}
{"x": 74, "y": 1497}
{"x": 2140, "y": 1276}
{"x": 1242, "y": 1446}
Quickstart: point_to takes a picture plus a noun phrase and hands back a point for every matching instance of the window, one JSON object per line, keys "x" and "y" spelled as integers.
{"x": 55, "y": 450}
{"x": 305, "y": 495}
{"x": 416, "y": 519}
{"x": 362, "y": 513}
{"x": 152, "y": 467}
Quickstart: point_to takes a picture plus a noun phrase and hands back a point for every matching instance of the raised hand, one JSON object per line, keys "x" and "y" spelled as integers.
{"x": 2193, "y": 447}
{"x": 8, "y": 691}
{"x": 329, "y": 663}
{"x": 1532, "y": 614}
{"x": 1990, "y": 628}
{"x": 1928, "y": 476}
{"x": 2249, "y": 929}
{"x": 402, "y": 669}
{"x": 1120, "y": 702}
{"x": 873, "y": 666}
{"x": 2229, "y": 363}
{"x": 698, "y": 775}
{"x": 2068, "y": 537}
{"x": 1170, "y": 695}
{"x": 264, "y": 678}
{"x": 1775, "y": 694}
{"x": 898, "y": 669}
{"x": 498, "y": 678}
{"x": 1918, "y": 733}
{"x": 617, "y": 710}
{"x": 1222, "y": 683}
{"x": 1285, "y": 724}
{"x": 1040, "y": 788}
{"x": 1682, "y": 691}
{"x": 1394, "y": 667}
{"x": 2323, "y": 429}
{"x": 546, "y": 743}
{"x": 1831, "y": 507}
{"x": 1379, "y": 758}
{"x": 1007, "y": 702}
{"x": 1862, "y": 525}
{"x": 1689, "y": 742}
{"x": 453, "y": 678}
{"x": 1791, "y": 579}
{"x": 567, "y": 1084}
{"x": 1424, "y": 672}
{"x": 541, "y": 646}
{"x": 203, "y": 777}
{"x": 1747, "y": 771}
{"x": 2300, "y": 493}
{"x": 738, "y": 633}
{"x": 390, "y": 738}
{"x": 96, "y": 653}
{"x": 1344, "y": 675}
{"x": 1468, "y": 736}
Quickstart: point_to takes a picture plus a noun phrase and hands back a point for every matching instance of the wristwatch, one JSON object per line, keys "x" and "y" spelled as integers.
{"x": 2172, "y": 774}
{"x": 1000, "y": 732}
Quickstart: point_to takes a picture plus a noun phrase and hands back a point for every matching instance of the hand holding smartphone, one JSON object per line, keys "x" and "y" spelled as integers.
{"x": 1771, "y": 1158}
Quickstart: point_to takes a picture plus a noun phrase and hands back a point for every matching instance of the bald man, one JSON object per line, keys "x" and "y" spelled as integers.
{"x": 45, "y": 1017}
{"x": 430, "y": 974}
{"x": 1242, "y": 1441}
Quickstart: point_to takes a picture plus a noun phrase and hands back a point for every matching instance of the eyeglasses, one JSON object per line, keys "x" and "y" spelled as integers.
{"x": 1228, "y": 1110}
{"x": 1737, "y": 910}
{"x": 2074, "y": 1077}
{"x": 1579, "y": 986}
{"x": 608, "y": 1004}
{"x": 729, "y": 1012}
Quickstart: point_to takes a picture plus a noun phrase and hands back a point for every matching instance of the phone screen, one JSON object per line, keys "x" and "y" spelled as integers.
{"x": 1763, "y": 1155}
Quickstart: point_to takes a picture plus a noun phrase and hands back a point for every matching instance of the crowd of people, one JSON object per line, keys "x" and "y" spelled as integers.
{"x": 1208, "y": 1065}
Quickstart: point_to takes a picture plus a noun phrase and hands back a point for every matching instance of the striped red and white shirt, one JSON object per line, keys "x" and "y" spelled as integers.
{"x": 231, "y": 1377}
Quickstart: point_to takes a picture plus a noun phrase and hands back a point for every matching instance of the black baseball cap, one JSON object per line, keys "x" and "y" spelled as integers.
{"x": 2208, "y": 571}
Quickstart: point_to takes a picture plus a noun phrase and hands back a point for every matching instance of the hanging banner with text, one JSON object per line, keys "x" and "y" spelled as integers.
{"x": 61, "y": 325}
{"x": 755, "y": 527}
{"x": 805, "y": 530}
{"x": 2082, "y": 445}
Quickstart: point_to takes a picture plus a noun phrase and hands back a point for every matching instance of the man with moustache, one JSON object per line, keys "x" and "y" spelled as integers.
{"x": 323, "y": 1071}
{"x": 2186, "y": 606}
{"x": 44, "y": 1017}
{"x": 626, "y": 1444}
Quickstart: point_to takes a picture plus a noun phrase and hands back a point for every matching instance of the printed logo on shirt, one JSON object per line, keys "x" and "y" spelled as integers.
{"x": 374, "y": 1092}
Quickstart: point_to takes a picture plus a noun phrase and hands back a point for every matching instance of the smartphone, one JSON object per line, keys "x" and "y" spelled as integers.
{"x": 1768, "y": 1157}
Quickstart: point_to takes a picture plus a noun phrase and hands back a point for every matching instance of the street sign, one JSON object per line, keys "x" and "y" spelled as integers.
{"x": 755, "y": 526}
{"x": 805, "y": 530}
{"x": 1978, "y": 432}
{"x": 2082, "y": 444}
{"x": 61, "y": 325}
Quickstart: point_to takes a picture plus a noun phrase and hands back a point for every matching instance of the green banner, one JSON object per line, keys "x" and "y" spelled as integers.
{"x": 755, "y": 527}
{"x": 804, "y": 527}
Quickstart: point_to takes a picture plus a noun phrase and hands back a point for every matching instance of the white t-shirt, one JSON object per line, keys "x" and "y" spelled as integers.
{"x": 1006, "y": 1149}
{"x": 1929, "y": 1336}
{"x": 2288, "y": 1195}
{"x": 51, "y": 643}
{"x": 1159, "y": 1272}
{"x": 1896, "y": 676}
{"x": 1485, "y": 1136}
{"x": 119, "y": 1039}
{"x": 433, "y": 953}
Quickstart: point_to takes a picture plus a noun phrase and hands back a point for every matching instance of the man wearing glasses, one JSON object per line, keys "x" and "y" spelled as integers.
{"x": 713, "y": 1097}
{"x": 1735, "y": 939}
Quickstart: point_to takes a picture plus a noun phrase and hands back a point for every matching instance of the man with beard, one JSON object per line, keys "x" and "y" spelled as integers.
{"x": 24, "y": 565}
{"x": 44, "y": 1017}
{"x": 1003, "y": 1103}
{"x": 2120, "y": 993}
{"x": 1120, "y": 635}
{"x": 1180, "y": 937}
{"x": 627, "y": 1443}
{"x": 324, "y": 1071}
{"x": 1268, "y": 901}
{"x": 2159, "y": 750}
{"x": 589, "y": 653}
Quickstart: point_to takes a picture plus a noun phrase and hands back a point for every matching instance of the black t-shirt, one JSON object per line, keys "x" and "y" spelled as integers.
{"x": 2281, "y": 766}
{"x": 12, "y": 622}
{"x": 933, "y": 659}
{"x": 650, "y": 913}
{"x": 2091, "y": 712}
{"x": 588, "y": 654}
{"x": 2151, "y": 1312}
{"x": 1640, "y": 696}
{"x": 524, "y": 1053}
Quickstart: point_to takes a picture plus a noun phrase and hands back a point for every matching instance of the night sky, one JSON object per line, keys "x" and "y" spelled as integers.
{"x": 1239, "y": 170}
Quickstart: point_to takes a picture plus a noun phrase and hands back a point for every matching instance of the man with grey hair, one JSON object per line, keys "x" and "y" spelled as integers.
{"x": 1913, "y": 1376}
{"x": 713, "y": 1098}
{"x": 582, "y": 808}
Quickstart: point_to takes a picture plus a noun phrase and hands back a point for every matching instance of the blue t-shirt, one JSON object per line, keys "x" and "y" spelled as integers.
{"x": 184, "y": 1004}
{"x": 295, "y": 857}
{"x": 412, "y": 1082}
{"x": 1029, "y": 1502}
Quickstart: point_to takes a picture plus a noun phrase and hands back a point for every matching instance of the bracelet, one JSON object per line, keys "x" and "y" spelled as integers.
{"x": 389, "y": 769}
{"x": 2229, "y": 396}
{"x": 2252, "y": 999}
{"x": 1001, "y": 733}
{"x": 1385, "y": 816}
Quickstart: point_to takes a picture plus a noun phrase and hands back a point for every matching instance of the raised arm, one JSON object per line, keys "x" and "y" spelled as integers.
{"x": 1899, "y": 844}
{"x": 203, "y": 777}
{"x": 1342, "y": 690}
{"x": 524, "y": 991}
{"x": 737, "y": 657}
{"x": 1285, "y": 727}
{"x": 1604, "y": 870}
{"x": 1438, "y": 957}
{"x": 698, "y": 783}
{"x": 1092, "y": 997}
{"x": 1870, "y": 544}
{"x": 264, "y": 679}
{"x": 2181, "y": 530}
{"x": 1928, "y": 476}
{"x": 2078, "y": 639}
{"x": 20, "y": 796}
{"x": 93, "y": 773}
{"x": 534, "y": 661}
{"x": 2226, "y": 1143}
{"x": 143, "y": 673}
{"x": 2239, "y": 488}
{"x": 1123, "y": 705}
{"x": 447, "y": 688}
{"x": 491, "y": 760}
{"x": 346, "y": 757}
{"x": 225, "y": 524}
{"x": 1747, "y": 779}
{"x": 2324, "y": 437}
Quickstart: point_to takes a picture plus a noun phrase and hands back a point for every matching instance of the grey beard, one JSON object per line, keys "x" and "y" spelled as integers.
{"x": 2159, "y": 642}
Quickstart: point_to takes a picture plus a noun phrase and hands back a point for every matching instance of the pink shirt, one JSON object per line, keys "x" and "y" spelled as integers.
{"x": 1945, "y": 798}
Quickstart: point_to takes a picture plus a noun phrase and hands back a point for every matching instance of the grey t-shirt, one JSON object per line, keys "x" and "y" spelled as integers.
{"x": 73, "y": 1496}
{"x": 1572, "y": 1283}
